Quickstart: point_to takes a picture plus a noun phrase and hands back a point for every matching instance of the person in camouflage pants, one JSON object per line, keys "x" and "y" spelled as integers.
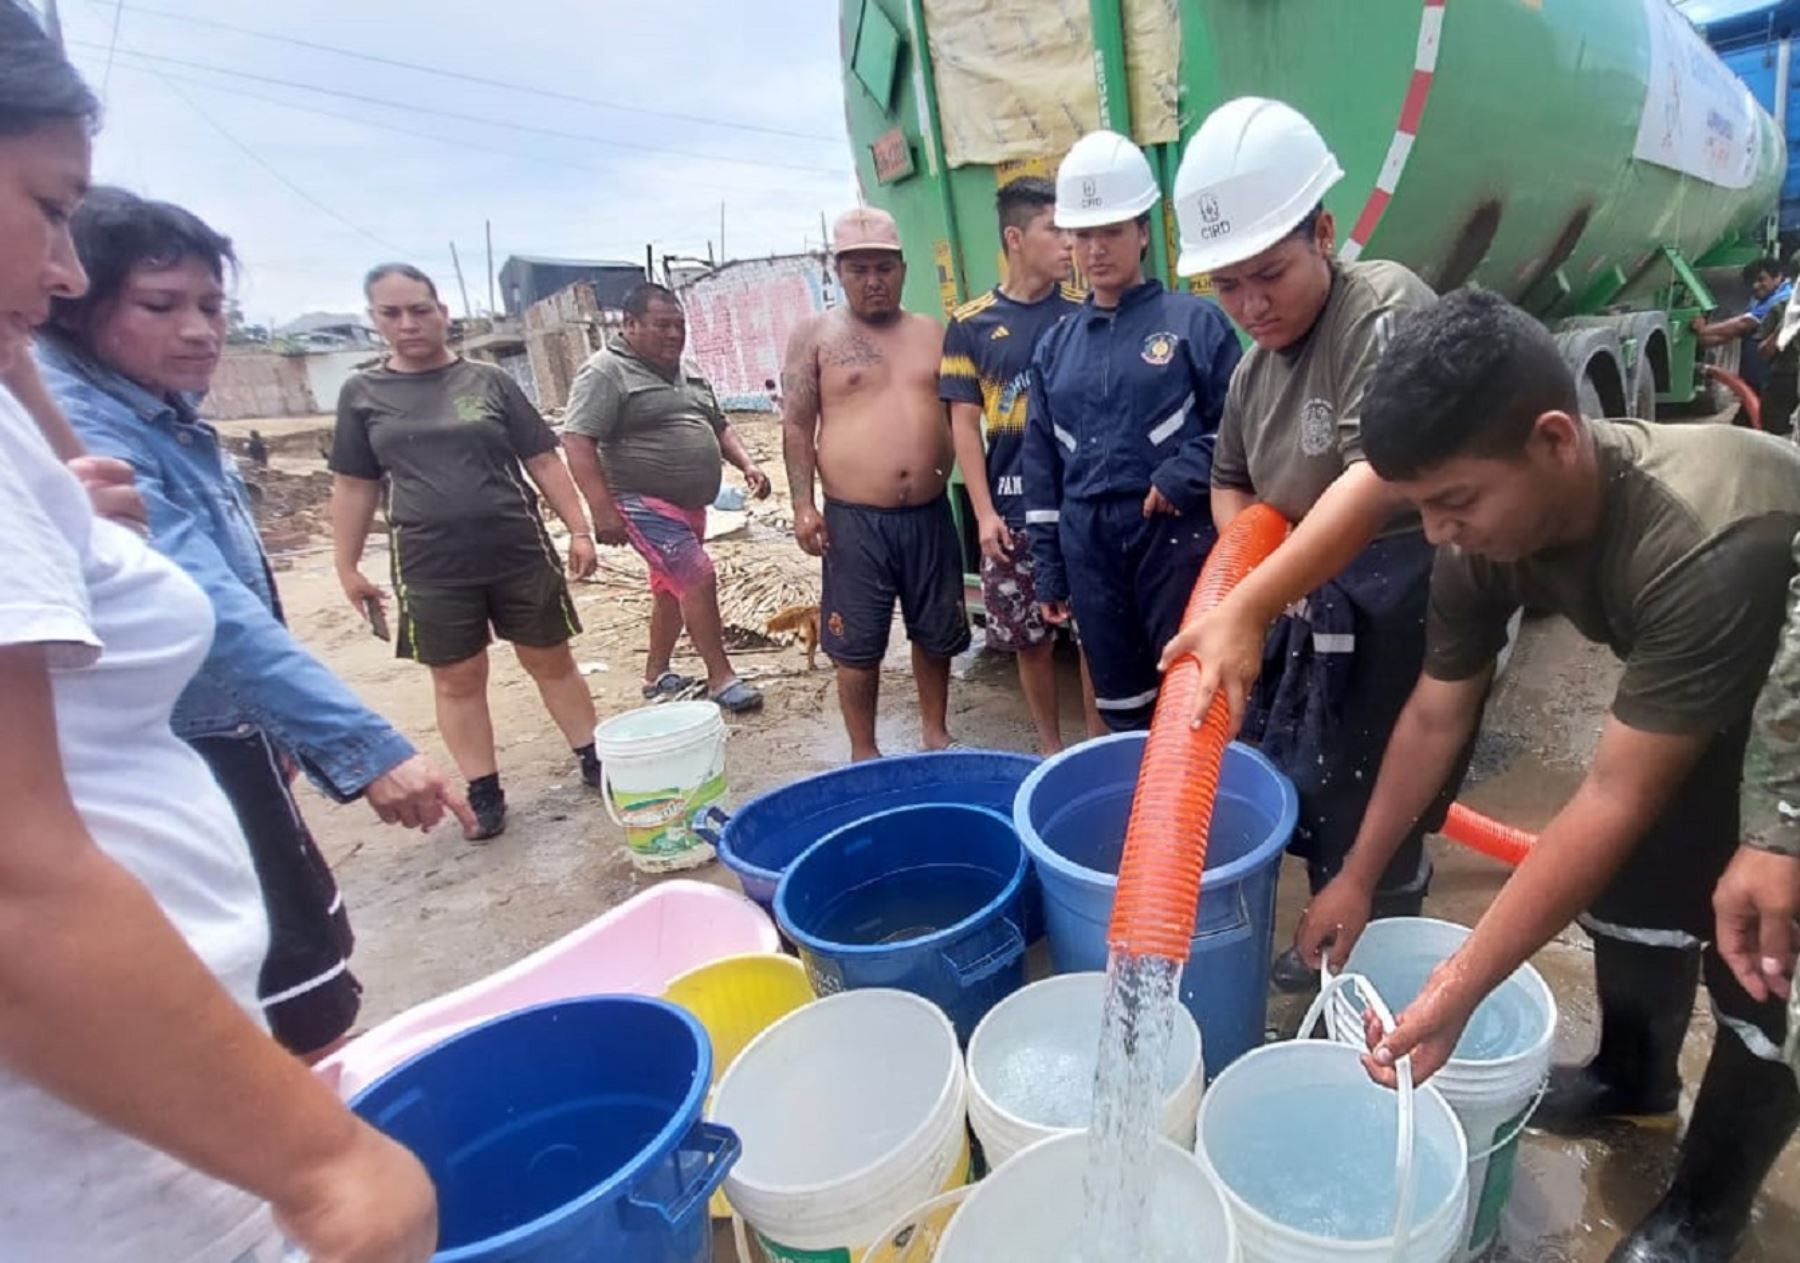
{"x": 1758, "y": 898}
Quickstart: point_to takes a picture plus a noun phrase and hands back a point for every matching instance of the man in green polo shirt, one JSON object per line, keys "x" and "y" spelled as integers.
{"x": 645, "y": 441}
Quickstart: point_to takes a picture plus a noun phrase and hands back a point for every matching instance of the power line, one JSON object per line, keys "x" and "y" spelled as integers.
{"x": 112, "y": 46}
{"x": 441, "y": 72}
{"x": 388, "y": 103}
{"x": 561, "y": 162}
{"x": 260, "y": 161}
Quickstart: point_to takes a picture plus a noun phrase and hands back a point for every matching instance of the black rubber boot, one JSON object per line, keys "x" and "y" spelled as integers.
{"x": 1744, "y": 1116}
{"x": 1289, "y": 974}
{"x": 1646, "y": 1001}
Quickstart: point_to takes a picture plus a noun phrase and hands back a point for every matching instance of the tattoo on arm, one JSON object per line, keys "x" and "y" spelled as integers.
{"x": 800, "y": 413}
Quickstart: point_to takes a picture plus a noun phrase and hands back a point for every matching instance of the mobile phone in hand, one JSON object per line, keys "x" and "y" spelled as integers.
{"x": 376, "y": 613}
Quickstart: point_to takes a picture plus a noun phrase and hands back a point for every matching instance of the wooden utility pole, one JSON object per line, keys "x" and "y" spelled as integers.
{"x": 723, "y": 256}
{"x": 53, "y": 26}
{"x": 493, "y": 307}
{"x": 468, "y": 313}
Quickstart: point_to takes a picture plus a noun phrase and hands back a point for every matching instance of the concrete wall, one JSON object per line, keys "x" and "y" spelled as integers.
{"x": 740, "y": 316}
{"x": 326, "y": 373}
{"x": 267, "y": 384}
{"x": 259, "y": 384}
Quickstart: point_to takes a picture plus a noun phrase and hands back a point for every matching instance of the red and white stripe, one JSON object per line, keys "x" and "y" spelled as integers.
{"x": 1431, "y": 30}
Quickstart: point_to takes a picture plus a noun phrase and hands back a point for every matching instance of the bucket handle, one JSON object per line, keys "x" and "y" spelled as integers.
{"x": 687, "y": 802}
{"x": 720, "y": 1147}
{"x": 1519, "y": 1127}
{"x": 1404, "y": 1138}
{"x": 709, "y": 825}
{"x": 998, "y": 951}
{"x": 1239, "y": 926}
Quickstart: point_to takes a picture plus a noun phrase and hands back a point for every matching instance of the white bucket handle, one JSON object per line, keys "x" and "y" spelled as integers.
{"x": 687, "y": 802}
{"x": 1518, "y": 1129}
{"x": 1403, "y": 1143}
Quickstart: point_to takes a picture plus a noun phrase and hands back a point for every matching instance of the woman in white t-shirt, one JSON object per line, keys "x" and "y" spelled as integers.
{"x": 145, "y": 1112}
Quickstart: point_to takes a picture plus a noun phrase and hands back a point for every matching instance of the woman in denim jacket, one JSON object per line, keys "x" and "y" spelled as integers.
{"x": 126, "y": 362}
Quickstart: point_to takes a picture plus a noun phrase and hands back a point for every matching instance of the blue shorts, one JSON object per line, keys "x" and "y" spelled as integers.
{"x": 877, "y": 556}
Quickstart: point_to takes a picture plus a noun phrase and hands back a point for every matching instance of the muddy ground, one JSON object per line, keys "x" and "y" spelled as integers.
{"x": 432, "y": 913}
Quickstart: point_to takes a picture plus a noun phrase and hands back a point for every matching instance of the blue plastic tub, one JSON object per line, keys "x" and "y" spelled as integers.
{"x": 567, "y": 1132}
{"x": 925, "y": 899}
{"x": 1071, "y": 815}
{"x": 760, "y": 839}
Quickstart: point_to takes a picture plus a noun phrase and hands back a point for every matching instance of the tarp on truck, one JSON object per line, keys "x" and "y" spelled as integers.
{"x": 1015, "y": 78}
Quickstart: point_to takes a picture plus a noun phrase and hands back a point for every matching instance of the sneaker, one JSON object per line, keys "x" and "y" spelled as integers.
{"x": 488, "y": 801}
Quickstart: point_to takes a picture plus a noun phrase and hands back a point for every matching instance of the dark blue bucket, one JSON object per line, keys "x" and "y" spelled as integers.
{"x": 760, "y": 839}
{"x": 567, "y": 1132}
{"x": 925, "y": 899}
{"x": 1071, "y": 816}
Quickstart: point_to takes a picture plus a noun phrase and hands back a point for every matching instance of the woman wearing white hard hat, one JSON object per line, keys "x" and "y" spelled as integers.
{"x": 1249, "y": 198}
{"x": 1125, "y": 400}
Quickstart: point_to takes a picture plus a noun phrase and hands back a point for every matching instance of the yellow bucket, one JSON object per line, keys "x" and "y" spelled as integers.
{"x": 736, "y": 999}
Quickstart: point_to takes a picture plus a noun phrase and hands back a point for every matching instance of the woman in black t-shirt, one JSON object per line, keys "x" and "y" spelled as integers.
{"x": 445, "y": 438}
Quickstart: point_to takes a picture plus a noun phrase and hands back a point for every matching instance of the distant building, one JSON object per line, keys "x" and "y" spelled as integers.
{"x": 328, "y": 331}
{"x": 528, "y": 278}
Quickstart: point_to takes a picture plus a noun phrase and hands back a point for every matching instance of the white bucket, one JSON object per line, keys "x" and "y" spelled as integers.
{"x": 1316, "y": 1160}
{"x": 1031, "y": 1067}
{"x": 1030, "y": 1211}
{"x": 851, "y": 1113}
{"x": 1501, "y": 1064}
{"x": 661, "y": 766}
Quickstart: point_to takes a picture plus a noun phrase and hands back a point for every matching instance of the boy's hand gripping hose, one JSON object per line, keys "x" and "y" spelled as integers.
{"x": 1165, "y": 842}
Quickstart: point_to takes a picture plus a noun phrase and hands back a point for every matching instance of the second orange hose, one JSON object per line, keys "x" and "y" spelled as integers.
{"x": 1165, "y": 841}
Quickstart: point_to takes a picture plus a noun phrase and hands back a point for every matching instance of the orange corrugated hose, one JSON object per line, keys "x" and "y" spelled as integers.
{"x": 1490, "y": 837}
{"x": 1741, "y": 388}
{"x": 1165, "y": 842}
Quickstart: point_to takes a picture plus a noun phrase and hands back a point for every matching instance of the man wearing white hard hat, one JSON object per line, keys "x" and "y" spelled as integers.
{"x": 1125, "y": 400}
{"x": 1320, "y": 685}
{"x": 860, "y": 411}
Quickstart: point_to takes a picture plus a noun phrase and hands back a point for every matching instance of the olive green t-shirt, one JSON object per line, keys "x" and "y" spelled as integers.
{"x": 658, "y": 435}
{"x": 448, "y": 445}
{"x": 1685, "y": 578}
{"x": 1293, "y": 418}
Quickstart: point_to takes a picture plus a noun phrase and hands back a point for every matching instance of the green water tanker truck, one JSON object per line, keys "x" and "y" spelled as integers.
{"x": 1593, "y": 160}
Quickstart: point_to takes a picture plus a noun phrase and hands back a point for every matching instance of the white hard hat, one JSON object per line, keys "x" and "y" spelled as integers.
{"x": 1105, "y": 180}
{"x": 1253, "y": 171}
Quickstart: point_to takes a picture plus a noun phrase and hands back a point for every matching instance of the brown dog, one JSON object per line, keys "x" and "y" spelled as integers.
{"x": 804, "y": 621}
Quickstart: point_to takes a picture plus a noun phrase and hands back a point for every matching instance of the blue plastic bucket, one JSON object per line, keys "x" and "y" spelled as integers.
{"x": 567, "y": 1132}
{"x": 1071, "y": 815}
{"x": 925, "y": 899}
{"x": 760, "y": 839}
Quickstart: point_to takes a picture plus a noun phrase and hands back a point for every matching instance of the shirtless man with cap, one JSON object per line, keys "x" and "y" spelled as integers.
{"x": 860, "y": 409}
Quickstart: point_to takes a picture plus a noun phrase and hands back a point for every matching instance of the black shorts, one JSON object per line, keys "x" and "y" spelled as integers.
{"x": 307, "y": 990}
{"x": 442, "y": 625}
{"x": 879, "y": 555}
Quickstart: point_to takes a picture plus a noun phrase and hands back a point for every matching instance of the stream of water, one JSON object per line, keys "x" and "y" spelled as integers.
{"x": 1135, "y": 1032}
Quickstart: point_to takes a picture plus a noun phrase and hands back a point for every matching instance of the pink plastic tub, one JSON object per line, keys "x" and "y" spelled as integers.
{"x": 636, "y": 949}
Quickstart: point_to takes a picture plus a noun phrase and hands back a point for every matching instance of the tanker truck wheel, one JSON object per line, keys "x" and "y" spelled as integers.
{"x": 1643, "y": 392}
{"x": 1589, "y": 394}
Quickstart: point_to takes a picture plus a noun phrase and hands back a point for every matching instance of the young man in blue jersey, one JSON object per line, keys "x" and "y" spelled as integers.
{"x": 985, "y": 378}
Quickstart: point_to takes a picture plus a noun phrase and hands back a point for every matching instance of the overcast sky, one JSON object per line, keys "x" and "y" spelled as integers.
{"x": 314, "y": 186}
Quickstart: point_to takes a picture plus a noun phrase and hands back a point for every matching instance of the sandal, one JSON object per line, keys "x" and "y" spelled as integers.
{"x": 668, "y": 686}
{"x": 738, "y": 698}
